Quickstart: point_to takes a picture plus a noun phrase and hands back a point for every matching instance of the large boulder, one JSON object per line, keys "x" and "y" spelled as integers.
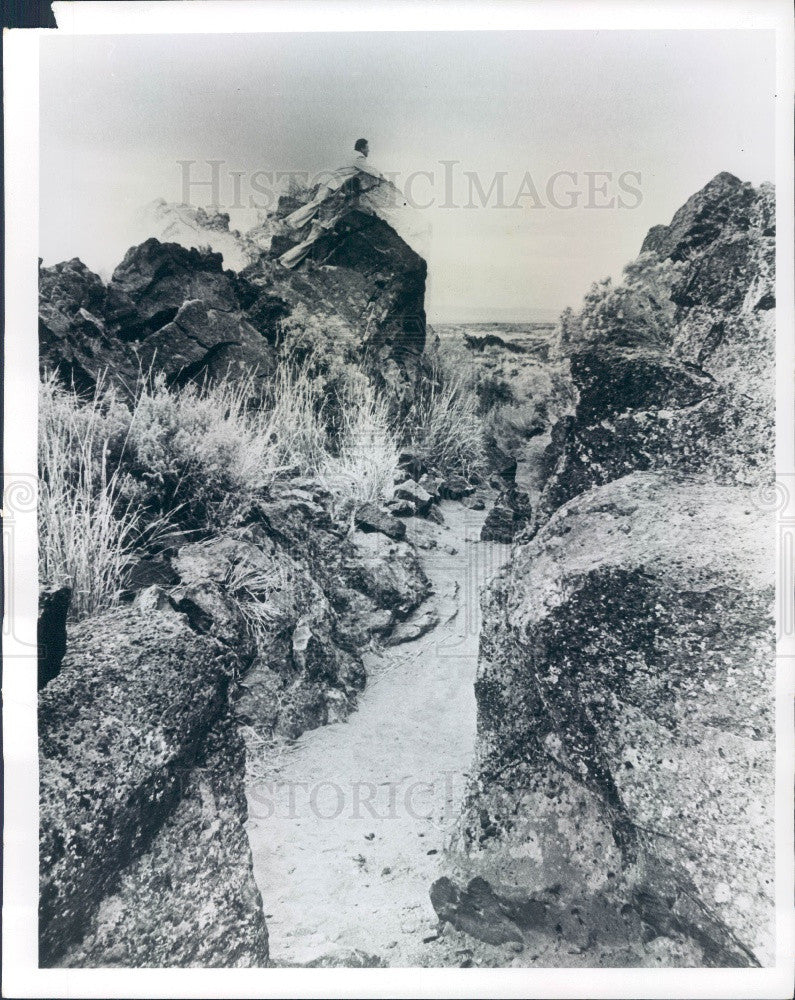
{"x": 364, "y": 276}
{"x": 135, "y": 753}
{"x": 190, "y": 900}
{"x": 625, "y": 711}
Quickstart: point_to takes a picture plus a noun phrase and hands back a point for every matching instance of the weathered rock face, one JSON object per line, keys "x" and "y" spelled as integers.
{"x": 136, "y": 750}
{"x": 166, "y": 308}
{"x": 700, "y": 399}
{"x": 625, "y": 684}
{"x": 176, "y": 310}
{"x": 363, "y": 274}
{"x": 144, "y": 855}
{"x": 625, "y": 706}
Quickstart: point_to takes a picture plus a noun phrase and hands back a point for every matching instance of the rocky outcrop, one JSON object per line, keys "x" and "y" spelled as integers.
{"x": 176, "y": 310}
{"x": 165, "y": 309}
{"x": 256, "y": 630}
{"x": 507, "y": 517}
{"x": 364, "y": 276}
{"x": 625, "y": 683}
{"x": 695, "y": 392}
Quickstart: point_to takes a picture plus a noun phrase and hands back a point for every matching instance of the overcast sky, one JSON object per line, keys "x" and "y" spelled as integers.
{"x": 118, "y": 113}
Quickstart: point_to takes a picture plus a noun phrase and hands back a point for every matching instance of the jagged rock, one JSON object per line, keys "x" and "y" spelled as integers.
{"x": 416, "y": 494}
{"x": 387, "y": 572}
{"x": 370, "y": 517}
{"x": 166, "y": 308}
{"x": 703, "y": 401}
{"x": 431, "y": 485}
{"x": 364, "y": 276}
{"x": 251, "y": 593}
{"x": 121, "y": 731}
{"x": 402, "y": 508}
{"x": 500, "y": 462}
{"x": 455, "y": 488}
{"x": 510, "y": 513}
{"x": 51, "y": 632}
{"x": 499, "y": 526}
{"x": 475, "y": 502}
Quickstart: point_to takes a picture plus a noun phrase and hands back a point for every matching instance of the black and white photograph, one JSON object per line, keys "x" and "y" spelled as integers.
{"x": 401, "y": 419}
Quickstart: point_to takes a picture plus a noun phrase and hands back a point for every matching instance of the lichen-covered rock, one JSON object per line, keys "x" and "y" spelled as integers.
{"x": 700, "y": 399}
{"x": 122, "y": 731}
{"x": 625, "y": 710}
{"x": 170, "y": 907}
{"x": 625, "y": 684}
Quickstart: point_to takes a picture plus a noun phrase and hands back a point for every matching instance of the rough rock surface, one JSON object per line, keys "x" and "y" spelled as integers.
{"x": 134, "y": 749}
{"x": 625, "y": 684}
{"x": 178, "y": 311}
{"x": 142, "y": 765}
{"x": 701, "y": 399}
{"x": 144, "y": 856}
{"x": 363, "y": 274}
{"x": 167, "y": 308}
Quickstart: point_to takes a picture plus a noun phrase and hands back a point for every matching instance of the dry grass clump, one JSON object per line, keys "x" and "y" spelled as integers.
{"x": 444, "y": 426}
{"x": 87, "y": 531}
{"x": 363, "y": 467}
{"x": 114, "y": 473}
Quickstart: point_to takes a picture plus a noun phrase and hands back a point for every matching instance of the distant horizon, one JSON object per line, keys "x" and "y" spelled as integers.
{"x": 479, "y": 316}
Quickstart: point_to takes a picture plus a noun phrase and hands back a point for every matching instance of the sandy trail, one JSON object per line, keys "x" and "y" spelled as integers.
{"x": 350, "y": 829}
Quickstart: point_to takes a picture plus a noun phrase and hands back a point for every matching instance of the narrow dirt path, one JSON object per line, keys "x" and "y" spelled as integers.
{"x": 350, "y": 831}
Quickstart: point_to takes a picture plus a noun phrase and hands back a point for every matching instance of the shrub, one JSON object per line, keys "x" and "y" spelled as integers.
{"x": 367, "y": 447}
{"x": 637, "y": 311}
{"x": 88, "y": 533}
{"x": 203, "y": 448}
{"x": 493, "y": 391}
{"x": 443, "y": 426}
